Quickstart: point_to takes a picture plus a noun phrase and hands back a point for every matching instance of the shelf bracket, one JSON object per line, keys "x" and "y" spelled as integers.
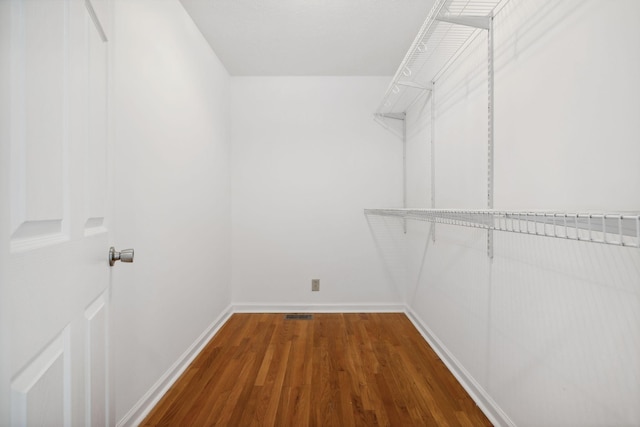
{"x": 483, "y": 22}
{"x": 394, "y": 116}
{"x": 415, "y": 85}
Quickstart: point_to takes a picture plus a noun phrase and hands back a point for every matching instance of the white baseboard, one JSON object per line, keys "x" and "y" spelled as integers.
{"x": 486, "y": 404}
{"x": 317, "y": 308}
{"x": 141, "y": 409}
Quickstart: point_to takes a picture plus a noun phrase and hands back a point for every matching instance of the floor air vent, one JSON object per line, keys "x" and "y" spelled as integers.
{"x": 298, "y": 316}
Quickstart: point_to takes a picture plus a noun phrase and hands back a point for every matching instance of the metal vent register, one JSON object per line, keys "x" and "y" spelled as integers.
{"x": 296, "y": 316}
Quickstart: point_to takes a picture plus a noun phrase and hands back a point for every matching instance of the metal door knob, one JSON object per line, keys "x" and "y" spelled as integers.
{"x": 125, "y": 255}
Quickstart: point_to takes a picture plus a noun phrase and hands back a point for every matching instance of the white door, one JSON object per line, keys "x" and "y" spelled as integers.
{"x": 55, "y": 213}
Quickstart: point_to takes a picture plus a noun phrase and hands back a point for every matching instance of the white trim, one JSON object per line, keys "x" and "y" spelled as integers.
{"x": 142, "y": 408}
{"x": 484, "y": 401}
{"x": 317, "y": 308}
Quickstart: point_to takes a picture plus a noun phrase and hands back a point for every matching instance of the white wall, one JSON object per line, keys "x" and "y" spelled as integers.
{"x": 172, "y": 192}
{"x": 550, "y": 330}
{"x": 5, "y": 117}
{"x": 307, "y": 158}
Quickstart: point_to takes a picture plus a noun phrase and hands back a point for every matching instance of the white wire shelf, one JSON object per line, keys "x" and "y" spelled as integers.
{"x": 620, "y": 229}
{"x": 447, "y": 29}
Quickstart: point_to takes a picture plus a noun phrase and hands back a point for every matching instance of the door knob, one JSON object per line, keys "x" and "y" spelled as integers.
{"x": 125, "y": 255}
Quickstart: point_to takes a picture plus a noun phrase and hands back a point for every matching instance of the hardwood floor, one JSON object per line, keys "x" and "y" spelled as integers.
{"x": 334, "y": 370}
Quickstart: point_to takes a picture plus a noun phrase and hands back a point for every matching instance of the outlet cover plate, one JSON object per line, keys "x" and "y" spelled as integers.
{"x": 315, "y": 285}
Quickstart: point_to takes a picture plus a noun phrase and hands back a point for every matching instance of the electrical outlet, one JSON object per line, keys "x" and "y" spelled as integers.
{"x": 315, "y": 285}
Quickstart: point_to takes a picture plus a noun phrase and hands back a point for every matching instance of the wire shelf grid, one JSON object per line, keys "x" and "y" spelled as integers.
{"x": 437, "y": 44}
{"x": 620, "y": 229}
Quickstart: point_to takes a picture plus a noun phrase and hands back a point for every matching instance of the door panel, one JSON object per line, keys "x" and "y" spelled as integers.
{"x": 56, "y": 238}
{"x": 38, "y": 124}
{"x": 96, "y": 327}
{"x": 40, "y": 394}
{"x": 96, "y": 153}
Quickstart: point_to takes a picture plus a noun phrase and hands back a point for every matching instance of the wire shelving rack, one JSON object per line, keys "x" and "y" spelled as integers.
{"x": 619, "y": 229}
{"x": 449, "y": 26}
{"x": 448, "y": 29}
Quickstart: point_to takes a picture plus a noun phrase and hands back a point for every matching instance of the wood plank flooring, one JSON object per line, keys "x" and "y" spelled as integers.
{"x": 333, "y": 370}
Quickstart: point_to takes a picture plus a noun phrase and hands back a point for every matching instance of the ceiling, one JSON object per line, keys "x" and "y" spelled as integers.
{"x": 309, "y": 37}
